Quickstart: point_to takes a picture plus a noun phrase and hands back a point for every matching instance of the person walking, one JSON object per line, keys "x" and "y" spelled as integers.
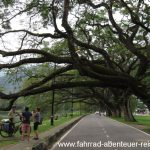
{"x": 36, "y": 120}
{"x": 26, "y": 115}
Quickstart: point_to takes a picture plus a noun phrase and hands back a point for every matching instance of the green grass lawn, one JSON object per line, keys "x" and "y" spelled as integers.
{"x": 141, "y": 120}
{"x": 46, "y": 124}
{"x": 144, "y": 120}
{"x": 7, "y": 142}
{"x": 42, "y": 128}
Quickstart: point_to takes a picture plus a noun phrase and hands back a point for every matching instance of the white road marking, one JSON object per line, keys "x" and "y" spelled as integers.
{"x": 105, "y": 132}
{"x": 54, "y": 146}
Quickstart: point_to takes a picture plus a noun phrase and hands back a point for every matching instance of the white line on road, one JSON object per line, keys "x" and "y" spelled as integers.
{"x": 54, "y": 146}
{"x": 105, "y": 132}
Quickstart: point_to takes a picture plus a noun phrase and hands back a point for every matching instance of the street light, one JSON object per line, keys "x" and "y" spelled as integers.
{"x": 53, "y": 100}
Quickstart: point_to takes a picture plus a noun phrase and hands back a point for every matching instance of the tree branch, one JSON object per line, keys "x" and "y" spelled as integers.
{"x": 45, "y": 35}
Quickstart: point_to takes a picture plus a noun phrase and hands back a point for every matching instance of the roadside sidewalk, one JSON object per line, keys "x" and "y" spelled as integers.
{"x": 51, "y": 134}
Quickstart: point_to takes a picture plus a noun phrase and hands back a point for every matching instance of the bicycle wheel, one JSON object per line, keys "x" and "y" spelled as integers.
{"x": 4, "y": 132}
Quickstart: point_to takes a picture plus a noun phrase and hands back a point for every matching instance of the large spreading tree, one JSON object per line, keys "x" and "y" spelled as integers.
{"x": 106, "y": 42}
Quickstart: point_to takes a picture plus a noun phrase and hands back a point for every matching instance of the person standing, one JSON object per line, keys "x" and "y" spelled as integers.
{"x": 12, "y": 114}
{"x": 36, "y": 120}
{"x": 26, "y": 115}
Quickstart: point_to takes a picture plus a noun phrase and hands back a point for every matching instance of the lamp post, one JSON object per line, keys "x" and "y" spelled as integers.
{"x": 53, "y": 100}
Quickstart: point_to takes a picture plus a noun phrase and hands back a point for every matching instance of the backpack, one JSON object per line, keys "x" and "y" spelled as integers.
{"x": 5, "y": 127}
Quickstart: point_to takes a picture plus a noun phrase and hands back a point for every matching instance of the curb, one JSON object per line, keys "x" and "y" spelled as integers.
{"x": 48, "y": 142}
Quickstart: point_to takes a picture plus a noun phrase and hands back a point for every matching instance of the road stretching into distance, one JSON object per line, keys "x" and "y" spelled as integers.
{"x": 96, "y": 132}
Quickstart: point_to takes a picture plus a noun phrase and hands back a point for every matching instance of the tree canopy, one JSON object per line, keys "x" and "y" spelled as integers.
{"x": 106, "y": 42}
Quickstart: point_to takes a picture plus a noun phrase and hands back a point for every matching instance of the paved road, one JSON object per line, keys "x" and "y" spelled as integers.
{"x": 101, "y": 133}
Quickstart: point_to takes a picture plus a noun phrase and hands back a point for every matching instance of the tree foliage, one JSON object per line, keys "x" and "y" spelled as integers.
{"x": 107, "y": 42}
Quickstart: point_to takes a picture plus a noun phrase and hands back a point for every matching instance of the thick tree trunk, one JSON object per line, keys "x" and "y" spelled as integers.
{"x": 111, "y": 112}
{"x": 114, "y": 113}
{"x": 128, "y": 116}
{"x": 108, "y": 112}
{"x": 119, "y": 112}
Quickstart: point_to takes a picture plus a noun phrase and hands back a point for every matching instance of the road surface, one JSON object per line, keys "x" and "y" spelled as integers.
{"x": 96, "y": 132}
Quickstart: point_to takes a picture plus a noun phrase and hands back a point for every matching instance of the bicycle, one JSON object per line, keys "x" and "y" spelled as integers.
{"x": 9, "y": 130}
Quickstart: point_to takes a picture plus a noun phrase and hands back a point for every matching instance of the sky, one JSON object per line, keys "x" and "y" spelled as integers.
{"x": 22, "y": 22}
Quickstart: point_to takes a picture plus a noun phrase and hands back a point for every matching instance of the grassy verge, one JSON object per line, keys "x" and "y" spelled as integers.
{"x": 46, "y": 124}
{"x": 4, "y": 143}
{"x": 42, "y": 128}
{"x": 143, "y": 122}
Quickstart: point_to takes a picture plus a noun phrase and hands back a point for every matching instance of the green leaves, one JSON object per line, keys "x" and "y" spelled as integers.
{"x": 44, "y": 12}
{"x": 6, "y": 25}
{"x": 8, "y": 2}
